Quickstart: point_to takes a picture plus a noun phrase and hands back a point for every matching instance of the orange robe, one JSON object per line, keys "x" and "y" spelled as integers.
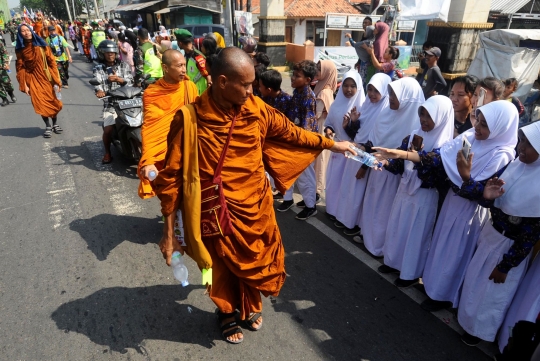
{"x": 30, "y": 71}
{"x": 59, "y": 30}
{"x": 161, "y": 102}
{"x": 38, "y": 27}
{"x": 251, "y": 261}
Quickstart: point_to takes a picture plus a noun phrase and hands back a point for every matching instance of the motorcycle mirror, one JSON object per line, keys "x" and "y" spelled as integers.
{"x": 145, "y": 76}
{"x": 94, "y": 82}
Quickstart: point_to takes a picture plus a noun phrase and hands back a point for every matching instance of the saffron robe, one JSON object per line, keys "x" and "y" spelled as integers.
{"x": 251, "y": 261}
{"x": 161, "y": 102}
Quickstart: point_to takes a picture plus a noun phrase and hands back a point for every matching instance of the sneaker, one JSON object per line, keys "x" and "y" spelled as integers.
{"x": 470, "y": 340}
{"x": 399, "y": 283}
{"x": 338, "y": 224}
{"x": 306, "y": 213}
{"x": 358, "y": 239}
{"x": 278, "y": 196}
{"x": 433, "y": 305}
{"x": 387, "y": 269}
{"x": 352, "y": 231}
{"x": 317, "y": 198}
{"x": 331, "y": 217}
{"x": 285, "y": 206}
{"x": 301, "y": 204}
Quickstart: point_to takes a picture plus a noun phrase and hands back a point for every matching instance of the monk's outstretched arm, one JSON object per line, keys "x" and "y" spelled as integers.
{"x": 168, "y": 184}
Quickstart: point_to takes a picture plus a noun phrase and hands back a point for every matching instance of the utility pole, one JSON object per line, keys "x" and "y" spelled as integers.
{"x": 74, "y": 10}
{"x": 69, "y": 12}
{"x": 96, "y": 9}
{"x": 87, "y": 11}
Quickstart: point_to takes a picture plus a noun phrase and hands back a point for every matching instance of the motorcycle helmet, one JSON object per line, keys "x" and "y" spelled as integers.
{"x": 107, "y": 46}
{"x": 249, "y": 44}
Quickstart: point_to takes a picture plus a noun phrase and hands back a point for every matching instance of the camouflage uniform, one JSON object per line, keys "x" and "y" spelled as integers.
{"x": 5, "y": 83}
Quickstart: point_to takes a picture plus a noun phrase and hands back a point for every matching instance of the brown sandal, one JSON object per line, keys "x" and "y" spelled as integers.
{"x": 252, "y": 319}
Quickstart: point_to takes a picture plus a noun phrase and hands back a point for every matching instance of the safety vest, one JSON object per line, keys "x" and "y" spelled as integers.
{"x": 194, "y": 74}
{"x": 97, "y": 37}
{"x": 152, "y": 64}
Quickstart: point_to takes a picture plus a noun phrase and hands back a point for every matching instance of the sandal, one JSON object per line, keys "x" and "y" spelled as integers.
{"x": 47, "y": 133}
{"x": 57, "y": 129}
{"x": 230, "y": 328}
{"x": 107, "y": 158}
{"x": 253, "y": 317}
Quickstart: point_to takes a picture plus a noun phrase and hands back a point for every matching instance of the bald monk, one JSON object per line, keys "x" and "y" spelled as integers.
{"x": 251, "y": 260}
{"x": 161, "y": 101}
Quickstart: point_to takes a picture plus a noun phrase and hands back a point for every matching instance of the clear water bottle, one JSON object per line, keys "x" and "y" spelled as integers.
{"x": 152, "y": 175}
{"x": 364, "y": 158}
{"x": 57, "y": 91}
{"x": 179, "y": 268}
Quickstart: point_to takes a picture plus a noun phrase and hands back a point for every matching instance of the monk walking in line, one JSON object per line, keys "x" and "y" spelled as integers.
{"x": 161, "y": 101}
{"x": 37, "y": 73}
{"x": 249, "y": 259}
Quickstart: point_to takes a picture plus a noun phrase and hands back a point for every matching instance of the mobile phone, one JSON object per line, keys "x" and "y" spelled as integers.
{"x": 417, "y": 142}
{"x": 109, "y": 70}
{"x": 481, "y": 96}
{"x": 466, "y": 149}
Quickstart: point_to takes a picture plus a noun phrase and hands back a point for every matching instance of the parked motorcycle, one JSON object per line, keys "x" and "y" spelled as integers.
{"x": 127, "y": 102}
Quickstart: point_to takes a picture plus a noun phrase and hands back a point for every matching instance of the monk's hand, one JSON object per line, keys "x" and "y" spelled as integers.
{"x": 168, "y": 243}
{"x": 342, "y": 147}
{"x": 147, "y": 169}
{"x": 497, "y": 276}
{"x": 493, "y": 189}
{"x": 464, "y": 166}
{"x": 27, "y": 90}
{"x": 100, "y": 94}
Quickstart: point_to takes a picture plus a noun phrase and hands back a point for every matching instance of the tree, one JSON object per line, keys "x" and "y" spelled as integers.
{"x": 55, "y": 7}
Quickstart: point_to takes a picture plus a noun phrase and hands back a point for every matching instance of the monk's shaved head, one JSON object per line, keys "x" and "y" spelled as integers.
{"x": 230, "y": 62}
{"x": 170, "y": 56}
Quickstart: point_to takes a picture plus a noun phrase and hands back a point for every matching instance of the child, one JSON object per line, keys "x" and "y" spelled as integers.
{"x": 259, "y": 69}
{"x": 271, "y": 92}
{"x": 510, "y": 87}
{"x": 505, "y": 242}
{"x": 303, "y": 109}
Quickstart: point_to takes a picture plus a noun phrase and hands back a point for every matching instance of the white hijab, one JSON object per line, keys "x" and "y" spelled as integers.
{"x": 441, "y": 111}
{"x": 393, "y": 125}
{"x": 342, "y": 105}
{"x": 370, "y": 111}
{"x": 522, "y": 197}
{"x": 491, "y": 154}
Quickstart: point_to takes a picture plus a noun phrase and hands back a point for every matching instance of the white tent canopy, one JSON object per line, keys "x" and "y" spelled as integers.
{"x": 501, "y": 56}
{"x": 424, "y": 10}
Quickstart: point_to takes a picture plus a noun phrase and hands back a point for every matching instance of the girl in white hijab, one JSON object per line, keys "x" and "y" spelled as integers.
{"x": 393, "y": 123}
{"x": 350, "y": 98}
{"x": 350, "y": 194}
{"x": 411, "y": 222}
{"x": 504, "y": 246}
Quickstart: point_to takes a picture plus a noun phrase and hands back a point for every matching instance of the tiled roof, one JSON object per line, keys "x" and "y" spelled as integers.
{"x": 312, "y": 8}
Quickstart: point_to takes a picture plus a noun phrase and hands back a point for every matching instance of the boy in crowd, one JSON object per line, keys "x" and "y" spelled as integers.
{"x": 270, "y": 88}
{"x": 433, "y": 80}
{"x": 261, "y": 58}
{"x": 259, "y": 69}
{"x": 302, "y": 106}
{"x": 60, "y": 49}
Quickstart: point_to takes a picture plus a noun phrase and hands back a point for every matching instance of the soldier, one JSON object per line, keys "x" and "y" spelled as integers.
{"x": 5, "y": 83}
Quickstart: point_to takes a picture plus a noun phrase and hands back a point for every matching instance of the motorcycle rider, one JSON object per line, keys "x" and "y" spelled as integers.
{"x": 111, "y": 73}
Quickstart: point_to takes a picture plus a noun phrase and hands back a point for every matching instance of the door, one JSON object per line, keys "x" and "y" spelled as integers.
{"x": 333, "y": 38}
{"x": 288, "y": 34}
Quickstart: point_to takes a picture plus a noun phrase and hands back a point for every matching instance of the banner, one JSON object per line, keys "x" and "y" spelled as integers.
{"x": 244, "y": 23}
{"x": 340, "y": 54}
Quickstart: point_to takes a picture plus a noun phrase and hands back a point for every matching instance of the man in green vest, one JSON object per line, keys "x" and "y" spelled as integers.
{"x": 97, "y": 36}
{"x": 151, "y": 62}
{"x": 195, "y": 60}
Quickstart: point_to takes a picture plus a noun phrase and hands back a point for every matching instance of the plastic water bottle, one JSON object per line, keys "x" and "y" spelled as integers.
{"x": 364, "y": 158}
{"x": 179, "y": 268}
{"x": 152, "y": 175}
{"x": 57, "y": 91}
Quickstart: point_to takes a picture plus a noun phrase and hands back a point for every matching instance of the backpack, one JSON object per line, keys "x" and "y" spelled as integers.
{"x": 57, "y": 49}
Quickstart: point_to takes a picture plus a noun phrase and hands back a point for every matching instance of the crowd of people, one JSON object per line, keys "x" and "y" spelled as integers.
{"x": 453, "y": 202}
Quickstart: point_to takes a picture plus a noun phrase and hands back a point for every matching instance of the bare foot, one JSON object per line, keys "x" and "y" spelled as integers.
{"x": 235, "y": 337}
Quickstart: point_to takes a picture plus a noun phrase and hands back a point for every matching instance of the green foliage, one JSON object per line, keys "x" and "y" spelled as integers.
{"x": 55, "y": 7}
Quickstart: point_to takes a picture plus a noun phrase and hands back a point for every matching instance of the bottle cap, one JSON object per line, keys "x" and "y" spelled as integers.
{"x": 176, "y": 254}
{"x": 185, "y": 283}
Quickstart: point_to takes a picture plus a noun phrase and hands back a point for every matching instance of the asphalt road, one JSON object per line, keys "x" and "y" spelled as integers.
{"x": 82, "y": 278}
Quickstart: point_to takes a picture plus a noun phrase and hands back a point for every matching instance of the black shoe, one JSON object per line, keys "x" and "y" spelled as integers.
{"x": 285, "y": 206}
{"x": 12, "y": 96}
{"x": 278, "y": 196}
{"x": 301, "y": 204}
{"x": 470, "y": 340}
{"x": 306, "y": 213}
{"x": 358, "y": 239}
{"x": 317, "y": 198}
{"x": 4, "y": 102}
{"x": 331, "y": 217}
{"x": 433, "y": 305}
{"x": 399, "y": 283}
{"x": 387, "y": 269}
{"x": 352, "y": 231}
{"x": 338, "y": 224}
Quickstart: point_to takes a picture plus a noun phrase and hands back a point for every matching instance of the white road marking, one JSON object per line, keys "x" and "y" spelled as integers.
{"x": 123, "y": 198}
{"x": 64, "y": 207}
{"x": 445, "y": 316}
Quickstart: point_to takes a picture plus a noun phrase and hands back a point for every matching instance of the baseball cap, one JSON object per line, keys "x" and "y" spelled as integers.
{"x": 434, "y": 51}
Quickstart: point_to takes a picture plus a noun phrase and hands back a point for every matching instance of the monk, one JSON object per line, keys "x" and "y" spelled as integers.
{"x": 251, "y": 260}
{"x": 37, "y": 73}
{"x": 161, "y": 101}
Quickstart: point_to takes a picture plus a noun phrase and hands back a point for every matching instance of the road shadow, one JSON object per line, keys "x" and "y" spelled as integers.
{"x": 123, "y": 318}
{"x": 27, "y": 132}
{"x": 105, "y": 232}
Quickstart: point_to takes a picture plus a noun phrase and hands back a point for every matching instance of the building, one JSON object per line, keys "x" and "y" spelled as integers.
{"x": 515, "y": 14}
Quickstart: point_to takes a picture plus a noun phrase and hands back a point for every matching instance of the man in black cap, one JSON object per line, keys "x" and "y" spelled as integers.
{"x": 433, "y": 80}
{"x": 60, "y": 49}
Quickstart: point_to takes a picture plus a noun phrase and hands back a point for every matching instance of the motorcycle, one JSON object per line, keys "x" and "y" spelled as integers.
{"x": 127, "y": 102}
